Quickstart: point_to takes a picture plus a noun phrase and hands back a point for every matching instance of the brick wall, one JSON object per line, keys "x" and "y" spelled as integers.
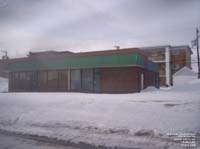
{"x": 126, "y": 80}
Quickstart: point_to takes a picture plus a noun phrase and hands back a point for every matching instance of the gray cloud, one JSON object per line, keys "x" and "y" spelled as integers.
{"x": 92, "y": 24}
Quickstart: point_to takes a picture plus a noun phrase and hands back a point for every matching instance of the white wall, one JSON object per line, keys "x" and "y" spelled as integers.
{"x": 181, "y": 80}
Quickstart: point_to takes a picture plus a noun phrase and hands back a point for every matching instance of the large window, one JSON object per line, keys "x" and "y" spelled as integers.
{"x": 87, "y": 80}
{"x": 42, "y": 80}
{"x": 63, "y": 80}
{"x": 76, "y": 80}
{"x": 31, "y": 81}
{"x": 16, "y": 81}
{"x": 23, "y": 83}
{"x": 53, "y": 80}
{"x": 97, "y": 80}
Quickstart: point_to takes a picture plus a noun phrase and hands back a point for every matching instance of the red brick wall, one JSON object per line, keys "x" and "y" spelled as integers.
{"x": 120, "y": 80}
{"x": 126, "y": 80}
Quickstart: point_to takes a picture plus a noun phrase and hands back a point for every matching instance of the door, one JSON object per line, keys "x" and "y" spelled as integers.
{"x": 97, "y": 80}
{"x": 63, "y": 80}
{"x": 75, "y": 80}
{"x": 87, "y": 80}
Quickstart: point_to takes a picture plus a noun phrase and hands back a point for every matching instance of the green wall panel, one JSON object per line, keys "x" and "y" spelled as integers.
{"x": 112, "y": 60}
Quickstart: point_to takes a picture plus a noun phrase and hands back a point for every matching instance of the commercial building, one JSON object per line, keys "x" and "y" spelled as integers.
{"x": 111, "y": 71}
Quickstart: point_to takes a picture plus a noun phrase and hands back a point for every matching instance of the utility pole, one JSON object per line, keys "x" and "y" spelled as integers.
{"x": 197, "y": 44}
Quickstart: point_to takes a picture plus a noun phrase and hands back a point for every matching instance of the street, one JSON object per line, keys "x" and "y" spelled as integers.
{"x": 14, "y": 142}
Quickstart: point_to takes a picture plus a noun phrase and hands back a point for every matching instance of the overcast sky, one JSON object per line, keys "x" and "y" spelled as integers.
{"x": 85, "y": 25}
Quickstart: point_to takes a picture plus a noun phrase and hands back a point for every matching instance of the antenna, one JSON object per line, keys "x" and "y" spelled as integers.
{"x": 117, "y": 47}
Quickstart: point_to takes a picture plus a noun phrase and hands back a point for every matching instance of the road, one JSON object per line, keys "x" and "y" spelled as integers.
{"x": 14, "y": 142}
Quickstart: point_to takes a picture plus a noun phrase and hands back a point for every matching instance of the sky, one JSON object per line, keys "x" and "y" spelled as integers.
{"x": 86, "y": 25}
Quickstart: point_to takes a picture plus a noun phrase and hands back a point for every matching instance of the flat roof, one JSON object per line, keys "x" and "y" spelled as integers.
{"x": 94, "y": 59}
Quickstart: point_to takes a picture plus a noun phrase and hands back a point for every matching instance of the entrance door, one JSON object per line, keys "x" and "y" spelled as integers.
{"x": 87, "y": 80}
{"x": 75, "y": 80}
{"x": 63, "y": 80}
{"x": 97, "y": 81}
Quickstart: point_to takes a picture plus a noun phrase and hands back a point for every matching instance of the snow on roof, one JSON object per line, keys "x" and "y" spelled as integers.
{"x": 185, "y": 71}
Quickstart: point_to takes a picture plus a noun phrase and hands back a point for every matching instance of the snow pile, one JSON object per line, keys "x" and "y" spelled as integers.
{"x": 150, "y": 89}
{"x": 115, "y": 120}
{"x": 194, "y": 81}
{"x": 3, "y": 85}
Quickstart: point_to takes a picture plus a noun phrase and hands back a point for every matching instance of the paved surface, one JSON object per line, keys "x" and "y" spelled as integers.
{"x": 13, "y": 142}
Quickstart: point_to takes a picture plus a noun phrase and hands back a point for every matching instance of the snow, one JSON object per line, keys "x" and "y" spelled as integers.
{"x": 3, "y": 85}
{"x": 139, "y": 119}
{"x": 150, "y": 89}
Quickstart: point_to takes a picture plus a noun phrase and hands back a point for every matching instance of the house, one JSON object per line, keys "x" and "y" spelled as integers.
{"x": 110, "y": 71}
{"x": 183, "y": 76}
{"x": 170, "y": 59}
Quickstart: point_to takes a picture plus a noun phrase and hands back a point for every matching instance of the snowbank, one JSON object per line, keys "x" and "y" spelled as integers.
{"x": 150, "y": 89}
{"x": 3, "y": 85}
{"x": 194, "y": 81}
{"x": 125, "y": 120}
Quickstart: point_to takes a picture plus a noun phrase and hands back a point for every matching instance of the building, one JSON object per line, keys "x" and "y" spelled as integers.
{"x": 184, "y": 76}
{"x": 111, "y": 71}
{"x": 170, "y": 59}
{"x": 4, "y": 63}
{"x": 45, "y": 55}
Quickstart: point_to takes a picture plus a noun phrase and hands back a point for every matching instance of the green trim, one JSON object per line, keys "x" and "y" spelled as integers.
{"x": 113, "y": 60}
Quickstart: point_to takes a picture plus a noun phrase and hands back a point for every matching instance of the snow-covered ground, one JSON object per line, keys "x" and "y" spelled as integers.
{"x": 127, "y": 120}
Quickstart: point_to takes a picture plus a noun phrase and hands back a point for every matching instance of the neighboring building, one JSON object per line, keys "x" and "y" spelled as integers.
{"x": 184, "y": 76}
{"x": 45, "y": 55}
{"x": 170, "y": 59}
{"x": 111, "y": 71}
{"x": 4, "y": 65}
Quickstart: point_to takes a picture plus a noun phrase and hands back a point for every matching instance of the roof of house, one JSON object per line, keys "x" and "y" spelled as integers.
{"x": 185, "y": 71}
{"x": 95, "y": 59}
